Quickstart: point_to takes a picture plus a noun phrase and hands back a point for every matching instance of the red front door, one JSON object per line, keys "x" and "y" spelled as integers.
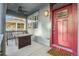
{"x": 62, "y": 31}
{"x": 64, "y": 27}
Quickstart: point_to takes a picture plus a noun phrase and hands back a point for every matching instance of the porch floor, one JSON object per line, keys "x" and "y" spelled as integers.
{"x": 35, "y": 49}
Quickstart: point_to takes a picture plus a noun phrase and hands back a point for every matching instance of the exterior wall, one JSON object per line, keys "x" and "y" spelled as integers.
{"x": 42, "y": 33}
{"x": 31, "y": 30}
{"x": 13, "y": 26}
{"x": 44, "y": 25}
{"x": 15, "y": 23}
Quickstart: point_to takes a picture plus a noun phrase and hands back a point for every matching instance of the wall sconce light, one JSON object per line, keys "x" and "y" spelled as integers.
{"x": 46, "y": 13}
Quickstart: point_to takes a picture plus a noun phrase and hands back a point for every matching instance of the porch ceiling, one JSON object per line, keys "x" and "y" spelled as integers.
{"x": 28, "y": 7}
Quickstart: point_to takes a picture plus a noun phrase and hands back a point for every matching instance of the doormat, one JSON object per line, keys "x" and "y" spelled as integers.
{"x": 58, "y": 52}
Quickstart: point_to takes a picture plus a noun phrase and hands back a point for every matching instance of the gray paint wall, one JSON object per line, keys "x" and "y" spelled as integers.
{"x": 44, "y": 25}
{"x": 42, "y": 33}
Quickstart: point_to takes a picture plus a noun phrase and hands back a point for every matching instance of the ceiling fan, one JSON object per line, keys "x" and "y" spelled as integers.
{"x": 20, "y": 9}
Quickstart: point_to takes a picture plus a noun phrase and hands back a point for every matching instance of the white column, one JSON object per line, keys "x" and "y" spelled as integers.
{"x": 24, "y": 26}
{"x": 16, "y": 26}
{"x": 2, "y": 17}
{"x": 2, "y": 24}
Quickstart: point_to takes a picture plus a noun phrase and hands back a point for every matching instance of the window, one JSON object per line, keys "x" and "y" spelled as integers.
{"x": 20, "y": 26}
{"x": 35, "y": 23}
{"x": 62, "y": 14}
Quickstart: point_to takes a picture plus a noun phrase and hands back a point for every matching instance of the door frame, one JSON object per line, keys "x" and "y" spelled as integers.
{"x": 76, "y": 24}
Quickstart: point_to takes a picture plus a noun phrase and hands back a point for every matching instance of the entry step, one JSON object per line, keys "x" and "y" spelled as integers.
{"x": 61, "y": 47}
